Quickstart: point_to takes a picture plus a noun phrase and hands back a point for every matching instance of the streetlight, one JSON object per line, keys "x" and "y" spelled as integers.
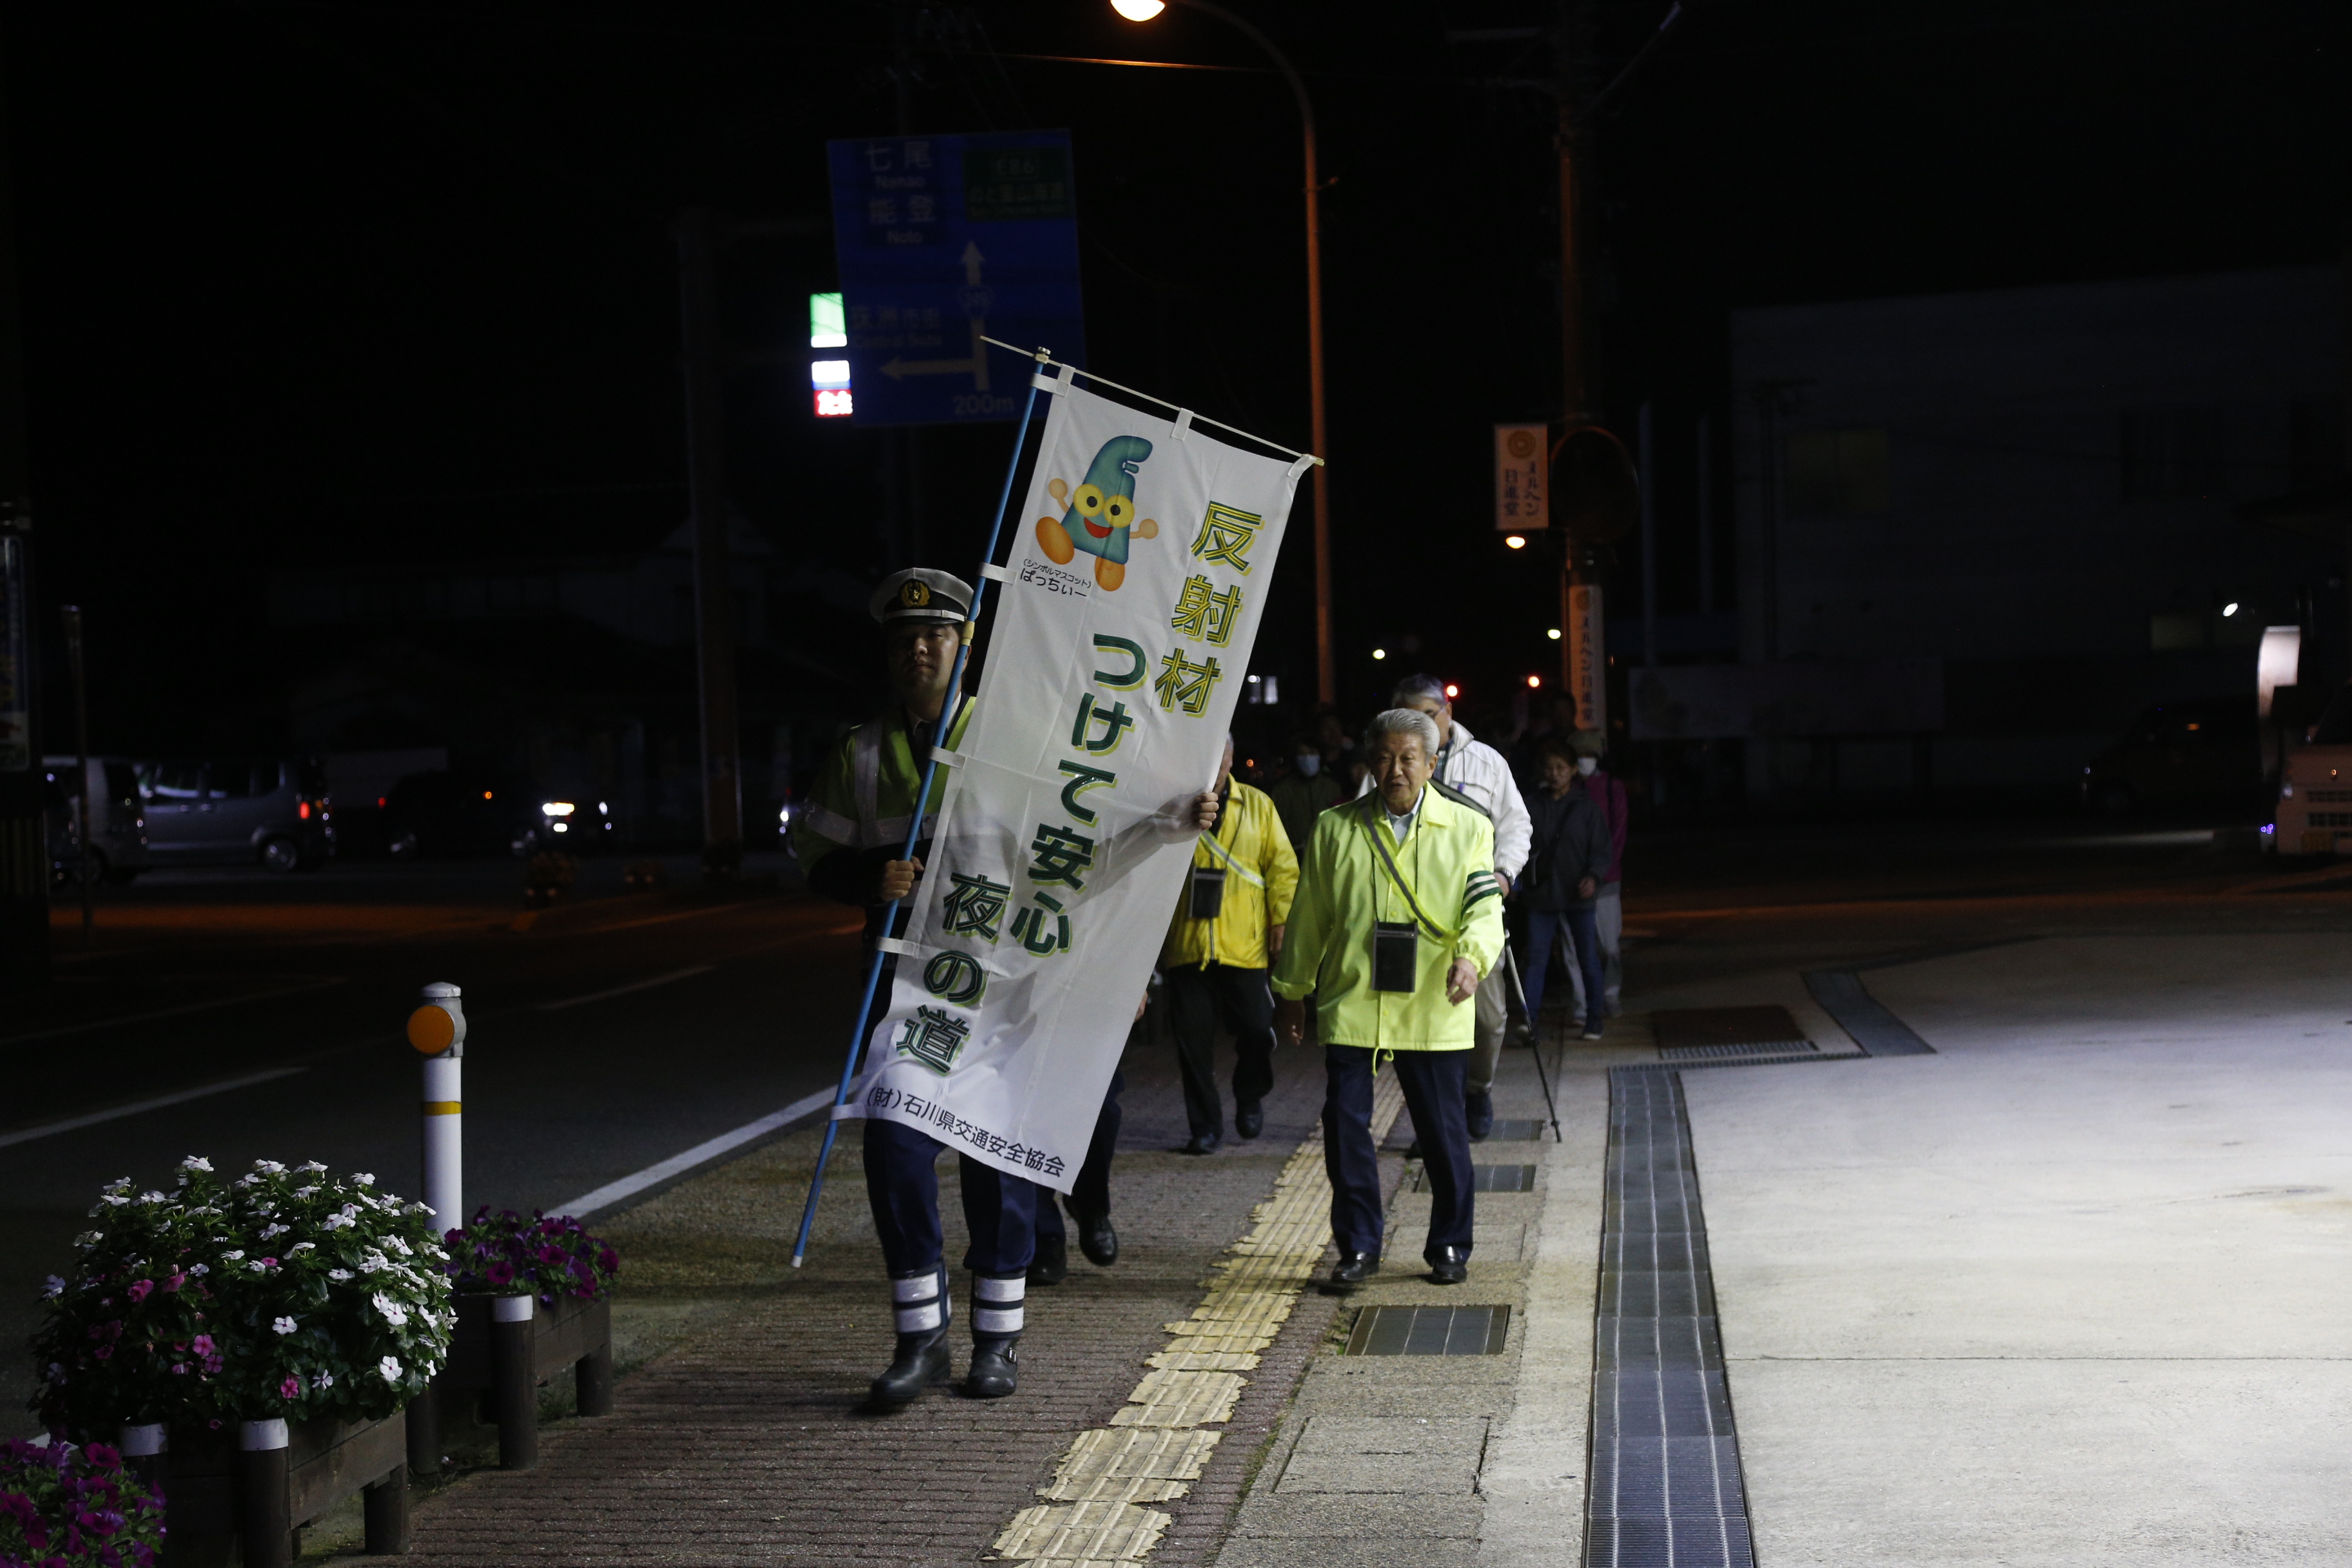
{"x": 1327, "y": 667}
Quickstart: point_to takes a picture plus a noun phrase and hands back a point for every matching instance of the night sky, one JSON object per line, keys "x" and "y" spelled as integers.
{"x": 338, "y": 283}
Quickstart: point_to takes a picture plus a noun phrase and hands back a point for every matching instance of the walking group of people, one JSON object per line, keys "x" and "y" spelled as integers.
{"x": 1366, "y": 883}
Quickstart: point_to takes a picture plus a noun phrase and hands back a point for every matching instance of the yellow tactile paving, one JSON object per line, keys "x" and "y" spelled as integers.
{"x": 1085, "y": 1532}
{"x": 1153, "y": 1451}
{"x": 1132, "y": 1463}
{"x": 1181, "y": 1399}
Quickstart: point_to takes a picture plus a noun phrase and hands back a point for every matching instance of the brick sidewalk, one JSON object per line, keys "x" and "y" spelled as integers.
{"x": 746, "y": 1444}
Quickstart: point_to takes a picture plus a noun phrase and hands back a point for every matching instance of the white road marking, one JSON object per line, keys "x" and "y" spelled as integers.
{"x": 624, "y": 990}
{"x": 136, "y": 1107}
{"x": 168, "y": 1011}
{"x": 612, "y": 1192}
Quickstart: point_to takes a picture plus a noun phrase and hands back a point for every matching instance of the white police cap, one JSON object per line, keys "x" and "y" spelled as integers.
{"x": 920, "y": 594}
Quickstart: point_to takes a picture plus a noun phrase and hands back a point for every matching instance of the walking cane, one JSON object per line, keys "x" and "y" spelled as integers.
{"x": 915, "y": 822}
{"x": 1535, "y": 1044}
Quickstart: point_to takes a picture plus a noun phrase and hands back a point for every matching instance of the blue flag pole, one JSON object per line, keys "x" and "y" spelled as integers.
{"x": 922, "y": 803}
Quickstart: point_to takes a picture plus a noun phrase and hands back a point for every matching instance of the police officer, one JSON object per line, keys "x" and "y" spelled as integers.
{"x": 1399, "y": 914}
{"x": 849, "y": 838}
{"x": 846, "y": 838}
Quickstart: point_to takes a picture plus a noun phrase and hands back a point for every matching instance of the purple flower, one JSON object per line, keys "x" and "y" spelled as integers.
{"x": 290, "y": 1389}
{"x": 141, "y": 1289}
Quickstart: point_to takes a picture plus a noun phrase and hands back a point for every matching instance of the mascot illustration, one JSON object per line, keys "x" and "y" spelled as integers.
{"x": 1100, "y": 512}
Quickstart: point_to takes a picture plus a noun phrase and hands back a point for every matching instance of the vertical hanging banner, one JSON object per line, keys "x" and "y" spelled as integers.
{"x": 1120, "y": 642}
{"x": 1587, "y": 657}
{"x": 1522, "y": 478}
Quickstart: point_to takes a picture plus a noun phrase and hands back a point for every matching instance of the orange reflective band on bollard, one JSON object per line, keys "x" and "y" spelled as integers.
{"x": 432, "y": 1030}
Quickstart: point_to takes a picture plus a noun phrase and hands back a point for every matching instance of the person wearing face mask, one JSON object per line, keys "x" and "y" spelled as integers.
{"x": 1304, "y": 792}
{"x": 1562, "y": 879}
{"x": 1607, "y": 793}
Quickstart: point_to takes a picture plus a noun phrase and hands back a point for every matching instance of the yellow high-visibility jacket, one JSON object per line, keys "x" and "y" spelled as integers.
{"x": 1448, "y": 861}
{"x": 863, "y": 798}
{"x": 1261, "y": 878}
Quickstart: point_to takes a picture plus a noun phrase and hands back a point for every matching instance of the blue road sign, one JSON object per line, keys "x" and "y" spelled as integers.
{"x": 941, "y": 239}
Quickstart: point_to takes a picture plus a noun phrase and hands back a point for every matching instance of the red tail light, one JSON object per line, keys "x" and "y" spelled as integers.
{"x": 303, "y": 811}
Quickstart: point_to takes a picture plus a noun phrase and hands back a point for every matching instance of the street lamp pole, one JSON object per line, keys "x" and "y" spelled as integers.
{"x": 1327, "y": 667}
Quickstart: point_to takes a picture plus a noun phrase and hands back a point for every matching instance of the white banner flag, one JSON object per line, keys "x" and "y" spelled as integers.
{"x": 1120, "y": 641}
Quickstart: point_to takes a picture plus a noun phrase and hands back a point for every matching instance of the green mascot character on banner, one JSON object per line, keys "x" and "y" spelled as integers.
{"x": 1100, "y": 513}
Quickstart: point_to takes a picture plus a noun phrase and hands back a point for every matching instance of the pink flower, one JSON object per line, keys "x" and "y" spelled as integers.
{"x": 175, "y": 1282}
{"x": 269, "y": 1263}
{"x": 290, "y": 1389}
{"x": 180, "y": 1369}
{"x": 104, "y": 1351}
{"x": 141, "y": 1289}
{"x": 202, "y": 1344}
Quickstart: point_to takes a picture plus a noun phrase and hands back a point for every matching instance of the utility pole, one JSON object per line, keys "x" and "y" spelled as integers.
{"x": 90, "y": 803}
{"x": 706, "y": 475}
{"x": 24, "y": 817}
{"x": 1570, "y": 57}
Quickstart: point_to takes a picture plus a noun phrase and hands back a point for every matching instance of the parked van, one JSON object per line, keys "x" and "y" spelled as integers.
{"x": 229, "y": 810}
{"x": 118, "y": 845}
{"x": 2315, "y": 804}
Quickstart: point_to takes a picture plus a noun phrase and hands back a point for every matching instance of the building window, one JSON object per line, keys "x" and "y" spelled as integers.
{"x": 1839, "y": 473}
{"x": 2175, "y": 453}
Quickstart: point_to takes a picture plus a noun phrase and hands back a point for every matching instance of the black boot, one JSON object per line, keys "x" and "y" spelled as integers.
{"x": 1051, "y": 1265}
{"x": 1097, "y": 1237}
{"x": 921, "y": 1302}
{"x": 997, "y": 1320}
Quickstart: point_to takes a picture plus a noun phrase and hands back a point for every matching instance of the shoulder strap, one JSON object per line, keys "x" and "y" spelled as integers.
{"x": 1377, "y": 833}
{"x": 1209, "y": 842}
{"x": 1459, "y": 798}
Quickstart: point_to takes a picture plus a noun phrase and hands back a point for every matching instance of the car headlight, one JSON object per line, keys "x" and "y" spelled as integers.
{"x": 2287, "y": 792}
{"x": 557, "y": 808}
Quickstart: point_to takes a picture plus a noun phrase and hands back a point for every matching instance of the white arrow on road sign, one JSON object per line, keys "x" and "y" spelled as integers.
{"x": 976, "y": 367}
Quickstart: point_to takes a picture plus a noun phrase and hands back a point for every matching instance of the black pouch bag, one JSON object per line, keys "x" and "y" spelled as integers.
{"x": 1396, "y": 954}
{"x": 1208, "y": 892}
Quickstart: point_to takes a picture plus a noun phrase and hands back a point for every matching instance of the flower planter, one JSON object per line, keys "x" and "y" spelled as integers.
{"x": 505, "y": 1344}
{"x": 253, "y": 1487}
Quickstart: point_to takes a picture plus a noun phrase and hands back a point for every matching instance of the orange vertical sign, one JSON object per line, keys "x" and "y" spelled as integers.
{"x": 1587, "y": 657}
{"x": 1522, "y": 478}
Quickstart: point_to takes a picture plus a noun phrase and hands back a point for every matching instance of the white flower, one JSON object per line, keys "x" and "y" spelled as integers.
{"x": 195, "y": 1163}
{"x": 391, "y": 1310}
{"x": 351, "y": 1211}
{"x": 400, "y": 1247}
{"x": 335, "y": 1222}
{"x": 304, "y": 1246}
{"x": 232, "y": 1255}
{"x": 326, "y": 1380}
{"x": 150, "y": 1197}
{"x": 269, "y": 1166}
{"x": 55, "y": 1288}
{"x": 119, "y": 1184}
{"x": 374, "y": 1263}
{"x": 306, "y": 1191}
{"x": 283, "y": 1325}
{"x": 88, "y": 1239}
{"x": 309, "y": 1165}
{"x": 246, "y": 1181}
{"x": 113, "y": 1201}
{"x": 362, "y": 1179}
{"x": 390, "y": 1367}
{"x": 339, "y": 1275}
{"x": 269, "y": 1230}
{"x": 199, "y": 1269}
{"x": 258, "y": 1266}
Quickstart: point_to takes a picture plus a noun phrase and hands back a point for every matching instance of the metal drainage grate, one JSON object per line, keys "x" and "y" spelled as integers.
{"x": 1488, "y": 1179}
{"x": 1714, "y": 1031}
{"x": 1755, "y": 1048}
{"x": 1429, "y": 1331}
{"x": 1507, "y": 1129}
{"x": 1875, "y": 1029}
{"x": 1666, "y": 1482}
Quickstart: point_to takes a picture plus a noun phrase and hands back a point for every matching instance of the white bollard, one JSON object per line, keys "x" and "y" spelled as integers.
{"x": 437, "y": 1029}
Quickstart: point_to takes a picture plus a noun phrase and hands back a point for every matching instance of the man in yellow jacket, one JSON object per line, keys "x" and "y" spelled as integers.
{"x": 1399, "y": 915}
{"x": 1227, "y": 928}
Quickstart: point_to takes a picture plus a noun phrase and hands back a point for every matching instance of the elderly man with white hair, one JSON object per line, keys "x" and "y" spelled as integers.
{"x": 1398, "y": 916}
{"x": 1471, "y": 768}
